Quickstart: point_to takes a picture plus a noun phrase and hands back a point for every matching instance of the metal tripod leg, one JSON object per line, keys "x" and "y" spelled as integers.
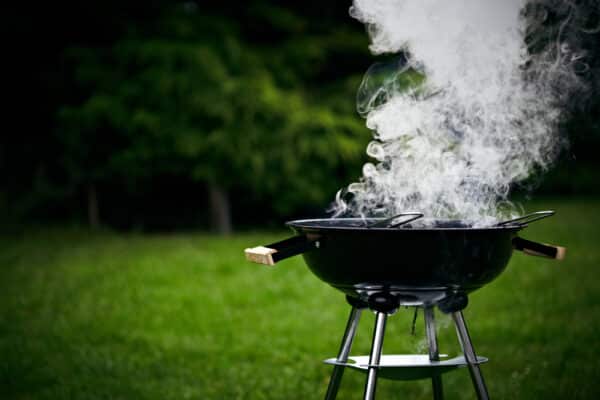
{"x": 434, "y": 355}
{"x": 338, "y": 370}
{"x": 469, "y": 351}
{"x": 375, "y": 356}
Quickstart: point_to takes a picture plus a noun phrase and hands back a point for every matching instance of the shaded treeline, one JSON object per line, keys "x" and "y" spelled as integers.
{"x": 159, "y": 115}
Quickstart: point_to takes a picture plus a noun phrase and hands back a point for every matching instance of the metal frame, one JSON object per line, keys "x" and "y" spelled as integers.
{"x": 472, "y": 361}
{"x": 434, "y": 354}
{"x": 469, "y": 351}
{"x": 338, "y": 370}
{"x": 375, "y": 357}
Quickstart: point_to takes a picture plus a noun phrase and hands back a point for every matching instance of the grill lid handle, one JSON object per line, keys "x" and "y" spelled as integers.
{"x": 526, "y": 219}
{"x": 272, "y": 253}
{"x": 539, "y": 249}
{"x": 388, "y": 222}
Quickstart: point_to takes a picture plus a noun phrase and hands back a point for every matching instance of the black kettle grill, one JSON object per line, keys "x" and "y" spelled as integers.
{"x": 405, "y": 260}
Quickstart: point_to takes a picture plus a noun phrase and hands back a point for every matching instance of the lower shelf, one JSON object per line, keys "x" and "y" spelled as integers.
{"x": 406, "y": 367}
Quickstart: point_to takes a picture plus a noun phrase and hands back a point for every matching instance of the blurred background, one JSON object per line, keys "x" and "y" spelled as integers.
{"x": 136, "y": 133}
{"x": 162, "y": 115}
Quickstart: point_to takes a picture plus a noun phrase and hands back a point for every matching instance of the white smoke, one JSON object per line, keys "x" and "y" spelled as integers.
{"x": 465, "y": 113}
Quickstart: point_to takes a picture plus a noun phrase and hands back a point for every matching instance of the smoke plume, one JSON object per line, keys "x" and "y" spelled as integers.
{"x": 470, "y": 105}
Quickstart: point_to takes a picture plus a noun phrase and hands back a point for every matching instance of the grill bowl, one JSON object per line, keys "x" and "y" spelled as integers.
{"x": 419, "y": 264}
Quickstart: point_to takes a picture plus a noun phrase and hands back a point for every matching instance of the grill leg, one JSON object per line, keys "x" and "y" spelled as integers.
{"x": 375, "y": 356}
{"x": 434, "y": 355}
{"x": 469, "y": 351}
{"x": 338, "y": 370}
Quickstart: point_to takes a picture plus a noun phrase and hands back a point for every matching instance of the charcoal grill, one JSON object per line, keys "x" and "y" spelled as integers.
{"x": 406, "y": 260}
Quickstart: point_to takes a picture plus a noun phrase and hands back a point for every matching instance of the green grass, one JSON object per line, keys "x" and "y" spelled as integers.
{"x": 130, "y": 316}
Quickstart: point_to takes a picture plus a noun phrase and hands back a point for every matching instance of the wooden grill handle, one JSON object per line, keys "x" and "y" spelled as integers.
{"x": 272, "y": 253}
{"x": 539, "y": 249}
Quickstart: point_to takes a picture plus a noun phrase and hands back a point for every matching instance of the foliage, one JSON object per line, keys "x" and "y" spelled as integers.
{"x": 146, "y": 102}
{"x": 193, "y": 100}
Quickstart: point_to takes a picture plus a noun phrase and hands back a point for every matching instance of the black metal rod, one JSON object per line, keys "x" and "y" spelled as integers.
{"x": 375, "y": 357}
{"x": 346, "y": 345}
{"x": 293, "y": 246}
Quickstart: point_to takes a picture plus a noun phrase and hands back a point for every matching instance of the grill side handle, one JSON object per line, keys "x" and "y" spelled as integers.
{"x": 274, "y": 252}
{"x": 539, "y": 249}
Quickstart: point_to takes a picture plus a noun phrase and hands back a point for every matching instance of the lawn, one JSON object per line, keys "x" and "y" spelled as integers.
{"x": 177, "y": 316}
